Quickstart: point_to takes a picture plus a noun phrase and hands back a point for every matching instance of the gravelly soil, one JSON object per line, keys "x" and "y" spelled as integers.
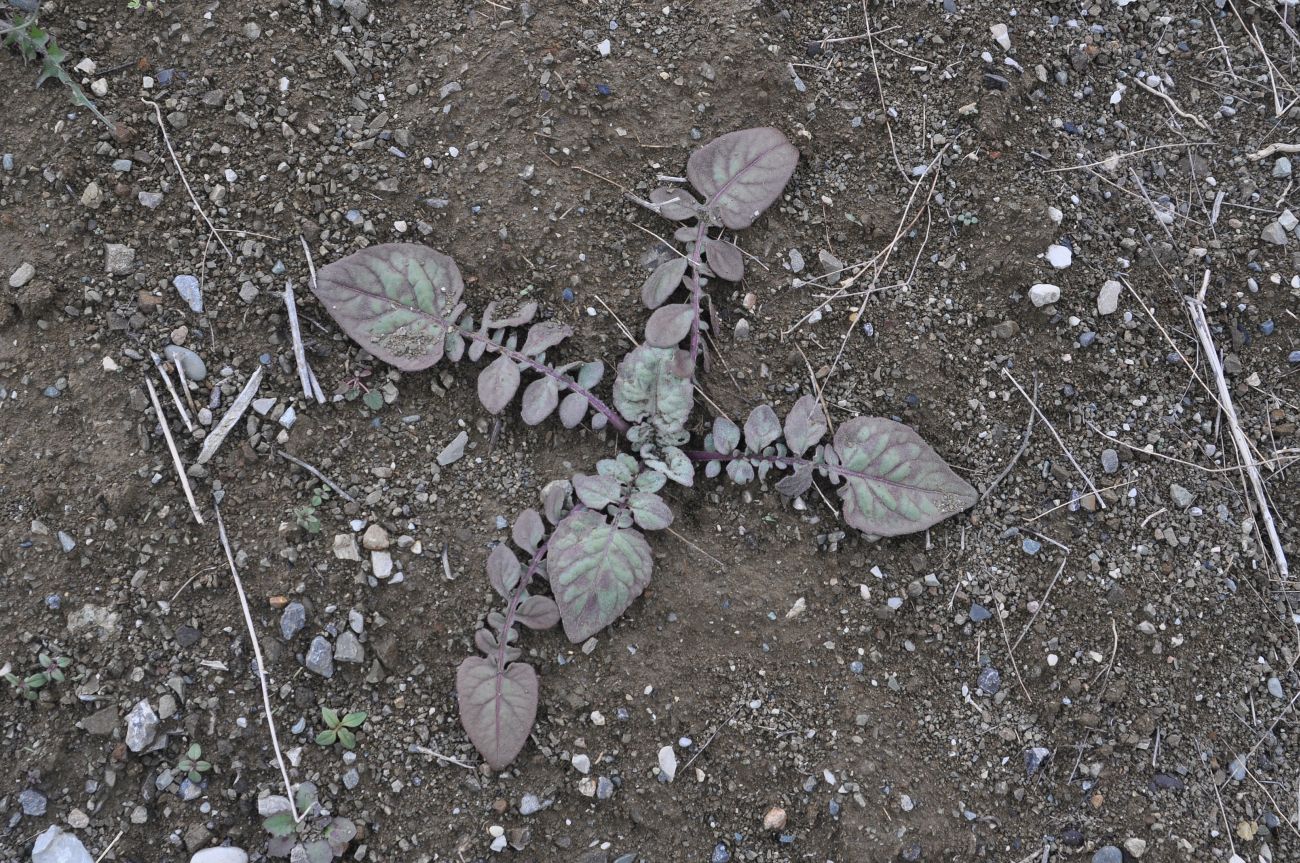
{"x": 1144, "y": 649}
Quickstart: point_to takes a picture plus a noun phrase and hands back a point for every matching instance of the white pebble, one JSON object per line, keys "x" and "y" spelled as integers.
{"x": 1001, "y": 36}
{"x": 1059, "y": 256}
{"x": 1044, "y": 294}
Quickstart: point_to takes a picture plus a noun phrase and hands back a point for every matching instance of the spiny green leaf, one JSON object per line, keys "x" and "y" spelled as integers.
{"x": 596, "y": 571}
{"x": 497, "y": 709}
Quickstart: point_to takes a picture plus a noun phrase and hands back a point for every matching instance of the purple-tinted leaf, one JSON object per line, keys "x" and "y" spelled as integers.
{"x": 540, "y": 399}
{"x": 339, "y": 833}
{"x": 596, "y": 571}
{"x": 675, "y": 465}
{"x": 740, "y": 471}
{"x": 796, "y": 482}
{"x": 503, "y": 569}
{"x": 648, "y": 387}
{"x": 555, "y": 496}
{"x": 318, "y": 851}
{"x": 650, "y": 511}
{"x": 396, "y": 300}
{"x": 676, "y": 204}
{"x": 662, "y": 282}
{"x": 805, "y": 425}
{"x": 543, "y": 336}
{"x": 597, "y": 492}
{"x": 761, "y": 428}
{"x": 496, "y": 708}
{"x": 712, "y": 469}
{"x": 649, "y": 481}
{"x": 538, "y": 612}
{"x": 894, "y": 482}
{"x": 726, "y": 435}
{"x": 622, "y": 468}
{"x": 741, "y": 173}
{"x": 725, "y": 260}
{"x": 669, "y": 325}
{"x": 497, "y": 384}
{"x": 528, "y": 530}
{"x": 526, "y": 313}
{"x": 573, "y": 408}
{"x": 455, "y": 346}
{"x": 486, "y": 641}
{"x": 590, "y": 374}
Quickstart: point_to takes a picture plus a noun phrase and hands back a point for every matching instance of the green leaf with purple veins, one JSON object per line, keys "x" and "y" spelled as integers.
{"x": 649, "y": 388}
{"x": 596, "y": 570}
{"x": 741, "y": 173}
{"x": 396, "y": 300}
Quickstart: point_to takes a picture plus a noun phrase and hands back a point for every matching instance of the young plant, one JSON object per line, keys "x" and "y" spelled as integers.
{"x": 403, "y": 304}
{"x": 35, "y": 43}
{"x": 192, "y": 764}
{"x": 338, "y": 729}
{"x": 317, "y": 838}
{"x": 305, "y": 515}
{"x": 51, "y": 670}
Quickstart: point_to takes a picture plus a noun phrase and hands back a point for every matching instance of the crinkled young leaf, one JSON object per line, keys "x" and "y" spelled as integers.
{"x": 497, "y": 709}
{"x": 544, "y": 336}
{"x": 648, "y": 387}
{"x": 528, "y": 530}
{"x": 596, "y": 571}
{"x": 650, "y": 511}
{"x": 675, "y": 204}
{"x": 538, "y": 612}
{"x": 498, "y": 383}
{"x": 669, "y": 325}
{"x": 804, "y": 425}
{"x": 486, "y": 641}
{"x": 617, "y": 468}
{"x": 761, "y": 428}
{"x": 894, "y": 482}
{"x": 726, "y": 435}
{"x": 649, "y": 481}
{"x": 675, "y": 465}
{"x": 540, "y": 399}
{"x": 796, "y": 482}
{"x": 573, "y": 408}
{"x": 724, "y": 259}
{"x": 741, "y": 173}
{"x": 503, "y": 569}
{"x": 597, "y": 492}
{"x": 662, "y": 282}
{"x": 740, "y": 471}
{"x": 396, "y": 300}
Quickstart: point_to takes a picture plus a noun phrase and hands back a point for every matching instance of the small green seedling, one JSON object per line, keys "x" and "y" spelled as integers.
{"x": 51, "y": 670}
{"x": 193, "y": 765}
{"x": 305, "y": 515}
{"x": 340, "y": 730}
{"x": 317, "y": 838}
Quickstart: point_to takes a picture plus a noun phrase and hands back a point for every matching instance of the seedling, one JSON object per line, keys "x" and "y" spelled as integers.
{"x": 51, "y": 670}
{"x": 403, "y": 304}
{"x": 305, "y": 515}
{"x": 35, "y": 43}
{"x": 317, "y": 838}
{"x": 338, "y": 729}
{"x": 193, "y": 765}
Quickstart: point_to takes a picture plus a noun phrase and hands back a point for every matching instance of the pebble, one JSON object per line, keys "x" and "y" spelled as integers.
{"x": 375, "y": 538}
{"x": 32, "y": 802}
{"x": 1288, "y": 220}
{"x": 320, "y": 657}
{"x": 1274, "y": 233}
{"x": 1109, "y": 460}
{"x": 191, "y": 364}
{"x": 55, "y": 846}
{"x": 453, "y": 451}
{"x": 22, "y": 275}
{"x": 293, "y": 620}
{"x": 668, "y": 763}
{"x": 990, "y": 680}
{"x": 1001, "y": 36}
{"x": 774, "y": 819}
{"x": 252, "y": 31}
{"x": 1044, "y": 294}
{"x": 141, "y": 726}
{"x": 1275, "y": 688}
{"x": 1135, "y": 847}
{"x": 348, "y": 648}
{"x": 1031, "y": 546}
{"x": 604, "y": 47}
{"x": 345, "y": 547}
{"x": 581, "y": 763}
{"x": 1108, "y": 297}
{"x": 188, "y": 287}
{"x": 381, "y": 564}
{"x": 796, "y": 261}
{"x": 1034, "y": 758}
{"x": 1182, "y": 497}
{"x": 224, "y": 854}
{"x": 1108, "y": 854}
{"x": 604, "y": 788}
{"x": 66, "y": 542}
{"x": 119, "y": 260}
{"x": 151, "y": 200}
{"x": 1282, "y": 168}
{"x": 122, "y": 166}
{"x": 530, "y": 804}
{"x": 92, "y": 196}
{"x": 720, "y": 854}
{"x": 979, "y": 613}
{"x": 1059, "y": 256}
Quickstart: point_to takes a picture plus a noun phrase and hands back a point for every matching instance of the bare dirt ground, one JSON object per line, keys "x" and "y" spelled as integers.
{"x": 1056, "y": 674}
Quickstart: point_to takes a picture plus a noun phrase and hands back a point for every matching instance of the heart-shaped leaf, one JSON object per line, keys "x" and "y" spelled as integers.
{"x": 663, "y": 281}
{"x": 675, "y": 204}
{"x": 724, "y": 259}
{"x": 804, "y": 425}
{"x": 528, "y": 530}
{"x": 396, "y": 300}
{"x": 596, "y": 571}
{"x": 648, "y": 387}
{"x": 544, "y": 336}
{"x": 894, "y": 482}
{"x": 669, "y": 325}
{"x": 538, "y": 612}
{"x": 741, "y": 173}
{"x": 650, "y": 511}
{"x": 740, "y": 471}
{"x": 540, "y": 399}
{"x": 498, "y": 383}
{"x": 496, "y": 708}
{"x": 761, "y": 428}
{"x": 503, "y": 569}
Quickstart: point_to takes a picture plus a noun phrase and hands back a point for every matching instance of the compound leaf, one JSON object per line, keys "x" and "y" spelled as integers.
{"x": 396, "y": 300}
{"x": 497, "y": 708}
{"x": 669, "y": 325}
{"x": 725, "y": 260}
{"x": 804, "y": 425}
{"x": 648, "y": 387}
{"x": 761, "y": 428}
{"x": 741, "y": 173}
{"x": 596, "y": 571}
{"x": 498, "y": 383}
{"x": 538, "y": 612}
{"x": 540, "y": 399}
{"x": 650, "y": 511}
{"x": 894, "y": 482}
{"x": 662, "y": 282}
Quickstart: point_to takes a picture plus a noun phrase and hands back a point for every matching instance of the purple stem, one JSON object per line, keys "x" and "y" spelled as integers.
{"x": 503, "y": 639}
{"x": 696, "y": 291}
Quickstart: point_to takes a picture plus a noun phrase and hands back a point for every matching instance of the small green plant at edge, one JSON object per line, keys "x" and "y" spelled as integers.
{"x": 340, "y": 729}
{"x": 51, "y": 670}
{"x": 34, "y": 42}
{"x": 305, "y": 515}
{"x": 193, "y": 765}
{"x": 317, "y": 838}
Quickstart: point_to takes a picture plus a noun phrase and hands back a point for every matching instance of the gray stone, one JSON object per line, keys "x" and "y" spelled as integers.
{"x": 320, "y": 657}
{"x": 357, "y": 9}
{"x": 252, "y": 31}
{"x": 119, "y": 260}
{"x": 190, "y": 363}
{"x": 122, "y": 166}
{"x": 530, "y": 804}
{"x": 345, "y": 547}
{"x": 1274, "y": 233}
{"x": 151, "y": 200}
{"x": 22, "y": 275}
{"x": 102, "y": 722}
{"x": 55, "y": 846}
{"x": 188, "y": 287}
{"x": 293, "y": 620}
{"x": 581, "y": 763}
{"x": 604, "y": 788}
{"x": 224, "y": 854}
{"x": 248, "y": 292}
{"x": 1282, "y": 168}
{"x": 1275, "y": 688}
{"x": 1182, "y": 497}
{"x": 990, "y": 680}
{"x": 348, "y": 648}
{"x": 141, "y": 727}
{"x": 1135, "y": 847}
{"x": 1044, "y": 294}
{"x": 381, "y": 564}
{"x": 1109, "y": 460}
{"x": 1108, "y": 854}
{"x": 92, "y": 196}
{"x": 1108, "y": 297}
{"x": 979, "y": 613}
{"x": 453, "y": 451}
{"x": 375, "y": 538}
{"x": 1034, "y": 758}
{"x": 32, "y": 802}
{"x": 1059, "y": 256}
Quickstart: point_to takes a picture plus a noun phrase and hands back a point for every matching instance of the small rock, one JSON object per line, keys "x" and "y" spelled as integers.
{"x": 252, "y": 31}
{"x": 293, "y": 620}
{"x": 55, "y": 846}
{"x": 604, "y": 788}
{"x": 990, "y": 680}
{"x": 1044, "y": 294}
{"x": 92, "y": 196}
{"x": 1059, "y": 256}
{"x": 1135, "y": 847}
{"x": 720, "y": 854}
{"x": 150, "y": 200}
{"x": 1034, "y": 758}
{"x": 381, "y": 564}
{"x": 1108, "y": 854}
{"x": 224, "y": 854}
{"x": 796, "y": 261}
{"x": 119, "y": 260}
{"x": 32, "y": 802}
{"x": 22, "y": 275}
{"x": 1109, "y": 460}
{"x": 1006, "y": 329}
{"x": 1275, "y": 688}
{"x": 581, "y": 763}
{"x": 668, "y": 762}
{"x": 320, "y": 657}
{"x": 345, "y": 547}
{"x": 375, "y": 538}
{"x": 190, "y": 363}
{"x": 348, "y": 648}
{"x": 604, "y": 47}
{"x": 1108, "y": 297}
{"x": 1274, "y": 233}
{"x": 979, "y": 613}
{"x": 141, "y": 726}
{"x": 774, "y": 819}
{"x": 453, "y": 451}
{"x": 530, "y": 804}
{"x": 102, "y": 722}
{"x": 1282, "y": 168}
{"x": 1001, "y": 36}
{"x": 1182, "y": 497}
{"x": 188, "y": 287}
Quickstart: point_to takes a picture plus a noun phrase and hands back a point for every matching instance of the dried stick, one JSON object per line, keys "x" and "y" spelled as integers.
{"x": 314, "y": 472}
{"x": 171, "y": 445}
{"x": 1024, "y": 444}
{"x": 162, "y": 127}
{"x": 261, "y": 666}
{"x": 167, "y": 382}
{"x": 215, "y": 438}
{"x": 1196, "y": 306}
{"x": 1277, "y": 147}
{"x": 1011, "y": 654}
{"x": 109, "y": 846}
{"x": 1172, "y": 104}
{"x": 299, "y": 354}
{"x": 1060, "y": 442}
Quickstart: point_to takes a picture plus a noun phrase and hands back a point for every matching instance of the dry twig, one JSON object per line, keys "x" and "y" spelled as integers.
{"x": 162, "y": 127}
{"x": 316, "y": 473}
{"x": 1101, "y": 503}
{"x": 171, "y": 445}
